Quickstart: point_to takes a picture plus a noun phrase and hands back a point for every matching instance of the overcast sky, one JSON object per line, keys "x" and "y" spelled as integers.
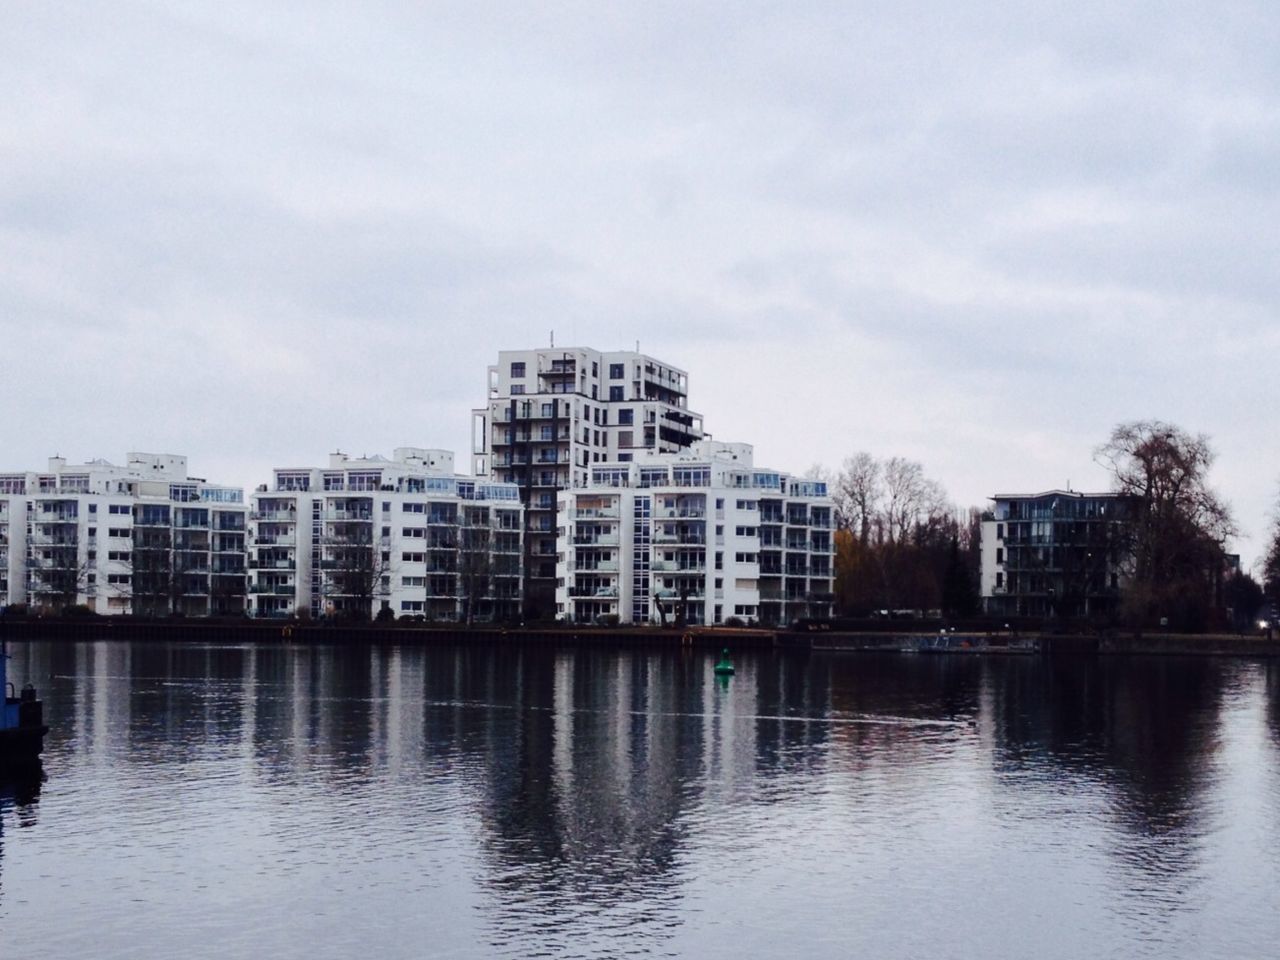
{"x": 974, "y": 234}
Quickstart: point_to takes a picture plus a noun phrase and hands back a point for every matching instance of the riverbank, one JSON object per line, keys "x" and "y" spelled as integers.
{"x": 903, "y": 640}
{"x": 275, "y": 631}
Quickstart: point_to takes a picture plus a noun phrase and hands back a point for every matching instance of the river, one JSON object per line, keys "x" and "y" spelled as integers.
{"x": 314, "y": 802}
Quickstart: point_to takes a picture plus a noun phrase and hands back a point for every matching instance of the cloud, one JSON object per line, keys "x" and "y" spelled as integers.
{"x": 977, "y": 235}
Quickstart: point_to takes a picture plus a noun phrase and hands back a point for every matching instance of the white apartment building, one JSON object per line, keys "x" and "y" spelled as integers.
{"x": 700, "y": 532}
{"x": 405, "y": 534}
{"x": 143, "y": 538}
{"x": 553, "y": 413}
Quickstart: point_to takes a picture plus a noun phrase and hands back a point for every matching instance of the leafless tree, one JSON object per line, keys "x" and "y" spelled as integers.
{"x": 356, "y": 569}
{"x": 474, "y": 566}
{"x": 1179, "y": 523}
{"x": 858, "y": 492}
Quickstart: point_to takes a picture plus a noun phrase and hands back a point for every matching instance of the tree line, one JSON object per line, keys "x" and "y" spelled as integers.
{"x": 902, "y": 544}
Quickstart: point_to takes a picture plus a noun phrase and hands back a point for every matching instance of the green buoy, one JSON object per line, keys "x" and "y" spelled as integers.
{"x": 724, "y": 667}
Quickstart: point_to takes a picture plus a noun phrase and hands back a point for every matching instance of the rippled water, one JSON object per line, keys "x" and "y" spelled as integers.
{"x": 320, "y": 802}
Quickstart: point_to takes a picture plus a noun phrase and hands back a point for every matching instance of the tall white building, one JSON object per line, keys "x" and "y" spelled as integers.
{"x": 405, "y": 534}
{"x": 700, "y": 532}
{"x": 142, "y": 538}
{"x": 553, "y": 413}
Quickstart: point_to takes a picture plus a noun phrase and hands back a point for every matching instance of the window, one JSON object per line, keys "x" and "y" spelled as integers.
{"x": 745, "y": 531}
{"x": 121, "y": 555}
{"x": 517, "y": 371}
{"x": 747, "y": 504}
{"x": 999, "y": 554}
{"x": 413, "y": 557}
{"x": 517, "y": 388}
{"x": 626, "y": 438}
{"x": 615, "y": 393}
{"x": 119, "y": 532}
{"x": 746, "y": 558}
{"x": 547, "y": 409}
{"x": 93, "y": 508}
{"x": 122, "y": 509}
{"x": 999, "y": 531}
{"x": 617, "y": 371}
{"x": 626, "y": 418}
{"x": 999, "y": 579}
{"x": 120, "y": 578}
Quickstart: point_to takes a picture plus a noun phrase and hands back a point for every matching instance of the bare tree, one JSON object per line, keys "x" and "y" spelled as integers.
{"x": 1179, "y": 523}
{"x": 474, "y": 567}
{"x": 1271, "y": 560}
{"x": 858, "y": 493}
{"x": 356, "y": 569}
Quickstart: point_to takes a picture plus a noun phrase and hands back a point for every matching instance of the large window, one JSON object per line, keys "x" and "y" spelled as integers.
{"x": 617, "y": 371}
{"x": 517, "y": 371}
{"x": 615, "y": 393}
{"x": 626, "y": 418}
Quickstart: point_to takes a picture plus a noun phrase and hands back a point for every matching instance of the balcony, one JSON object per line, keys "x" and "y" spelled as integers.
{"x": 680, "y": 539}
{"x": 273, "y": 589}
{"x": 592, "y": 513}
{"x": 271, "y": 564}
{"x": 600, "y": 566}
{"x": 597, "y": 540}
{"x": 276, "y": 516}
{"x": 594, "y": 593}
{"x": 675, "y": 566}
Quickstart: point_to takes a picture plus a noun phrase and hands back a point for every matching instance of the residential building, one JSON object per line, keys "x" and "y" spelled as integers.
{"x": 405, "y": 534}
{"x": 1058, "y": 553}
{"x": 700, "y": 533}
{"x": 554, "y": 413}
{"x": 142, "y": 538}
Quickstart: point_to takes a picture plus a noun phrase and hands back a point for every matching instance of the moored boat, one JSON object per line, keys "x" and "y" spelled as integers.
{"x": 22, "y": 726}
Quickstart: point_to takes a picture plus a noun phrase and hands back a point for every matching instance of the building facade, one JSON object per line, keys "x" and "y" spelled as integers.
{"x": 406, "y": 534}
{"x": 552, "y": 414}
{"x": 700, "y": 534}
{"x": 1058, "y": 553}
{"x": 143, "y": 538}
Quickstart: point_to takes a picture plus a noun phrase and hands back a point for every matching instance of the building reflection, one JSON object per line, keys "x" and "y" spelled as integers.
{"x": 589, "y": 772}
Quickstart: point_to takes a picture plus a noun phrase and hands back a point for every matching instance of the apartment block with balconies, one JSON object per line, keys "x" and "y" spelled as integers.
{"x": 700, "y": 535}
{"x": 552, "y": 414}
{"x": 1059, "y": 553}
{"x": 142, "y": 538}
{"x": 406, "y": 535}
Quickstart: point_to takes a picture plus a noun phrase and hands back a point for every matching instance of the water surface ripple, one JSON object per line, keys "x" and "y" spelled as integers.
{"x": 478, "y": 802}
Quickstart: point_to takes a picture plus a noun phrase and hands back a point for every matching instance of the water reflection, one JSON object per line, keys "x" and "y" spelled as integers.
{"x": 577, "y": 799}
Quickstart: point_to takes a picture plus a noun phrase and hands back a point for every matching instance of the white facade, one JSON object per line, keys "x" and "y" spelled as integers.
{"x": 405, "y": 534}
{"x": 703, "y": 533}
{"x": 554, "y": 413}
{"x": 141, "y": 538}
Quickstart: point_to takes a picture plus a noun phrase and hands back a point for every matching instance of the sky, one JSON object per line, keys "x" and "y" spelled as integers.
{"x": 977, "y": 235}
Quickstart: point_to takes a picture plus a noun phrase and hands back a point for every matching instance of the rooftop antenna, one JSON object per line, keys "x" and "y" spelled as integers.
{"x": 553, "y": 339}
{"x": 637, "y": 346}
